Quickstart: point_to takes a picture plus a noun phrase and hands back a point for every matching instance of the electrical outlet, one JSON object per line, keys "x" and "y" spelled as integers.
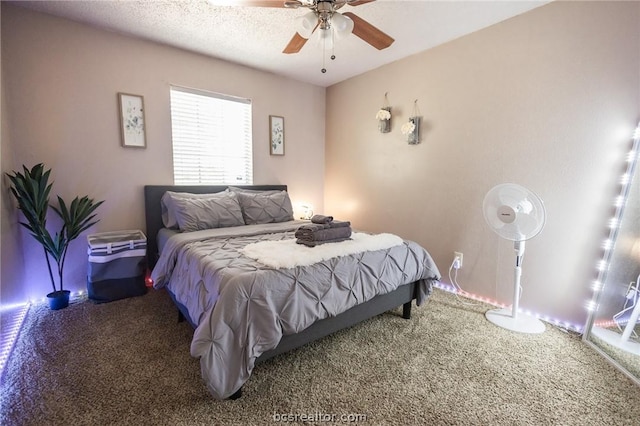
{"x": 457, "y": 259}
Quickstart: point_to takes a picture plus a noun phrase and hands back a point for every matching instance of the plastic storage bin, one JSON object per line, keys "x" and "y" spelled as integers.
{"x": 117, "y": 265}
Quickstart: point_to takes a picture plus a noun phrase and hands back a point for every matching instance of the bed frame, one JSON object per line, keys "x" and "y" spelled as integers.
{"x": 403, "y": 295}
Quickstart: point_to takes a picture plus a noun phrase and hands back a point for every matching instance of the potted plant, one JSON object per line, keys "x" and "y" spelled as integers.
{"x": 31, "y": 190}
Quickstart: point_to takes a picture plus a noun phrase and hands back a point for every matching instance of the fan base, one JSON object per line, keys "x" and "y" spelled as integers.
{"x": 615, "y": 339}
{"x": 522, "y": 323}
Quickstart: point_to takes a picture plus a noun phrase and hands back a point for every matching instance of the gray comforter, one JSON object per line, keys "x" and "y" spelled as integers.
{"x": 243, "y": 308}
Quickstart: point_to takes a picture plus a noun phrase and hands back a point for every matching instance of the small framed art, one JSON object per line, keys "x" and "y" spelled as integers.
{"x": 276, "y": 135}
{"x": 132, "y": 123}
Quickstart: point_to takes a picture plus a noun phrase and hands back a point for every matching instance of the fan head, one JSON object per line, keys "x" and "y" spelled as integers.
{"x": 514, "y": 212}
{"x": 323, "y": 21}
{"x": 323, "y": 13}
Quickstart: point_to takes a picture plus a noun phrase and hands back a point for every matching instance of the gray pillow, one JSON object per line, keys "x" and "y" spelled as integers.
{"x": 218, "y": 210}
{"x": 265, "y": 206}
{"x": 168, "y": 207}
{"x": 254, "y": 191}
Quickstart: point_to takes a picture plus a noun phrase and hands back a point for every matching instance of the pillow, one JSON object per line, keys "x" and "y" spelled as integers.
{"x": 167, "y": 206}
{"x": 218, "y": 210}
{"x": 254, "y": 191}
{"x": 265, "y": 206}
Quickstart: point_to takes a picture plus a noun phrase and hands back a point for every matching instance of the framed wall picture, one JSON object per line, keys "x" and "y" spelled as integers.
{"x": 276, "y": 135}
{"x": 132, "y": 123}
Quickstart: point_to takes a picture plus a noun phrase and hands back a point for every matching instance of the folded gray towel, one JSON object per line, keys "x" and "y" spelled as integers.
{"x": 338, "y": 224}
{"x": 309, "y": 229}
{"x": 318, "y": 218}
{"x": 303, "y": 233}
{"x": 317, "y": 243}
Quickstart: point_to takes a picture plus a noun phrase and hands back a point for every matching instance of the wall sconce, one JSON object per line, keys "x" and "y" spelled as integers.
{"x": 384, "y": 116}
{"x": 411, "y": 129}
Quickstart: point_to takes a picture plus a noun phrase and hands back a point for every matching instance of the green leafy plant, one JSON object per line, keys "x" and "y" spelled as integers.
{"x": 31, "y": 190}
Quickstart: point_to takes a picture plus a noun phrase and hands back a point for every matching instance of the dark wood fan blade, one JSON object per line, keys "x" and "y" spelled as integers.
{"x": 369, "y": 33}
{"x": 359, "y": 2}
{"x": 296, "y": 43}
{"x": 253, "y": 3}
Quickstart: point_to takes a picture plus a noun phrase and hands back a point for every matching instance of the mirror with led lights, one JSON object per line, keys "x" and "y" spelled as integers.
{"x": 613, "y": 327}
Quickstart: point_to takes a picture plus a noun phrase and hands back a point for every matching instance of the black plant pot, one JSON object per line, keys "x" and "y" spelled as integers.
{"x": 58, "y": 299}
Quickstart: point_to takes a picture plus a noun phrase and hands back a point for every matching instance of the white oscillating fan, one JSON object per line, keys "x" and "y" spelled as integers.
{"x": 516, "y": 214}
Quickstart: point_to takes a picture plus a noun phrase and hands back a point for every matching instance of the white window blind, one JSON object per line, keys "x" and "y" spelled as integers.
{"x": 212, "y": 139}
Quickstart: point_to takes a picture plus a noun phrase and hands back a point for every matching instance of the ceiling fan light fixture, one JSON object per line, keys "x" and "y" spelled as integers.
{"x": 307, "y": 24}
{"x": 342, "y": 25}
{"x": 323, "y": 39}
{"x": 292, "y": 4}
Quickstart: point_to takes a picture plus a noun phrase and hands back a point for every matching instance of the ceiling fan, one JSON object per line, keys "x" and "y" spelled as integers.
{"x": 323, "y": 16}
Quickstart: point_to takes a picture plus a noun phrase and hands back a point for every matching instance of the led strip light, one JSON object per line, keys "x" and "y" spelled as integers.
{"x": 12, "y": 318}
{"x": 559, "y": 323}
{"x": 614, "y": 226}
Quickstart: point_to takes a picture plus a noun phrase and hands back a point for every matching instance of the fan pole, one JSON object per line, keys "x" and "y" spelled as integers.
{"x": 517, "y": 275}
{"x": 508, "y": 318}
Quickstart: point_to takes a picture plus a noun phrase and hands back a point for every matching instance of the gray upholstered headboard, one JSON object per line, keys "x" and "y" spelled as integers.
{"x": 153, "y": 211}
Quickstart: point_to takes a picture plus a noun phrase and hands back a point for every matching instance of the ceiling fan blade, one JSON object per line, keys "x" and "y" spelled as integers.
{"x": 296, "y": 43}
{"x": 253, "y": 3}
{"x": 369, "y": 33}
{"x": 359, "y": 2}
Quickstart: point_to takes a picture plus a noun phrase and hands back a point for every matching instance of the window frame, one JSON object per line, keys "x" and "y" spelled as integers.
{"x": 207, "y": 166}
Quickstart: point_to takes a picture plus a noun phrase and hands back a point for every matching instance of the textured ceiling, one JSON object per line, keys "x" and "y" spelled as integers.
{"x": 256, "y": 36}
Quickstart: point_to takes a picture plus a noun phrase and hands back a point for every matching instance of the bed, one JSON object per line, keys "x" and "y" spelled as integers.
{"x": 245, "y": 310}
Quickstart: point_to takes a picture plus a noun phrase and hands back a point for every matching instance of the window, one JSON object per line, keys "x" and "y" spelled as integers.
{"x": 212, "y": 143}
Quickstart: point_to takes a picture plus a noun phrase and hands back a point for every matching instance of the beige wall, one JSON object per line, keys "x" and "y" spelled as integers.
{"x": 547, "y": 100}
{"x": 60, "y": 81}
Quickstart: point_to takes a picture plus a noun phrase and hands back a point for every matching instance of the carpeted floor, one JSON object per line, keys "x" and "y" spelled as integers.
{"x": 128, "y": 363}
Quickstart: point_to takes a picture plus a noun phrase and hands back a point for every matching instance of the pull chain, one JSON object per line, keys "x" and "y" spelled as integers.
{"x": 324, "y": 50}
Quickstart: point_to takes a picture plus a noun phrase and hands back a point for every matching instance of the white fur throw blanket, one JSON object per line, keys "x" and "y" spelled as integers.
{"x": 289, "y": 254}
